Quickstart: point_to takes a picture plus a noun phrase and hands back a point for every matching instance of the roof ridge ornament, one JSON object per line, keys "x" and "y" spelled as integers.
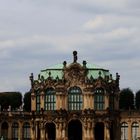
{"x": 75, "y": 57}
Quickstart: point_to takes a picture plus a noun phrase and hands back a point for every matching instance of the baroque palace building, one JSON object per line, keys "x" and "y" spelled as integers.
{"x": 72, "y": 102}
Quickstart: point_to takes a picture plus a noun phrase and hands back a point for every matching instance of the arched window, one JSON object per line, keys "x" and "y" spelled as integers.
{"x": 135, "y": 131}
{"x": 15, "y": 128}
{"x": 124, "y": 131}
{"x": 99, "y": 99}
{"x": 37, "y": 101}
{"x": 74, "y": 98}
{"x": 4, "y": 130}
{"x": 50, "y": 99}
{"x": 26, "y": 131}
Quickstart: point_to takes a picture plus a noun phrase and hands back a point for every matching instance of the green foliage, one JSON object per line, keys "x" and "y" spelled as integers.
{"x": 138, "y": 99}
{"x": 27, "y": 101}
{"x": 126, "y": 99}
{"x": 13, "y": 99}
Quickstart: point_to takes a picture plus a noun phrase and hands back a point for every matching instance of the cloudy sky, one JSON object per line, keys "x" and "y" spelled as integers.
{"x": 36, "y": 34}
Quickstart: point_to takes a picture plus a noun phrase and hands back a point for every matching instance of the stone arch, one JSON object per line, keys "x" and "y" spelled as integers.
{"x": 75, "y": 129}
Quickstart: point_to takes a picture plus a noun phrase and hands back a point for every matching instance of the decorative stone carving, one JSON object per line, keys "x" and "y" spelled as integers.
{"x": 74, "y": 74}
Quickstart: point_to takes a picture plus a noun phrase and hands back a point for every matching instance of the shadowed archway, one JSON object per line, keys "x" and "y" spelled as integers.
{"x": 99, "y": 131}
{"x": 75, "y": 130}
{"x": 50, "y": 131}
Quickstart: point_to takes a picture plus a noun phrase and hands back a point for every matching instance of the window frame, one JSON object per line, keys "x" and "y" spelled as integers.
{"x": 135, "y": 130}
{"x": 26, "y": 131}
{"x": 124, "y": 131}
{"x": 50, "y": 99}
{"x": 99, "y": 99}
{"x": 15, "y": 131}
{"x": 75, "y": 99}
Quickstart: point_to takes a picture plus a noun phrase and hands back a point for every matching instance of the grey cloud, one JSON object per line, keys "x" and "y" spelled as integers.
{"x": 37, "y": 34}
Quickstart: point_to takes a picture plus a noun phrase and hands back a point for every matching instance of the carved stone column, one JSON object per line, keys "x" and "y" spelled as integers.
{"x": 37, "y": 130}
{"x": 33, "y": 102}
{"x": 129, "y": 131}
{"x": 42, "y": 131}
{"x": 33, "y": 131}
{"x": 88, "y": 129}
{"x": 42, "y": 100}
{"x": 0, "y": 129}
{"x": 92, "y": 131}
{"x": 85, "y": 129}
{"x": 107, "y": 131}
{"x": 106, "y": 101}
{"x": 63, "y": 134}
{"x": 20, "y": 130}
{"x": 57, "y": 131}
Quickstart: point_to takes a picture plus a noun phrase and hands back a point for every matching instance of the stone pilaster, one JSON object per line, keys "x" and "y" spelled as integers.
{"x": 129, "y": 131}
{"x": 42, "y": 131}
{"x": 20, "y": 134}
{"x": 63, "y": 136}
{"x": 57, "y": 131}
{"x": 32, "y": 131}
{"x": 0, "y": 129}
{"x": 10, "y": 131}
{"x": 33, "y": 102}
{"x": 42, "y": 100}
{"x": 88, "y": 129}
{"x": 107, "y": 131}
{"x": 106, "y": 101}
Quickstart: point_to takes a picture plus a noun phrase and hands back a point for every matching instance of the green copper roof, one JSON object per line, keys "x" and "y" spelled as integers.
{"x": 57, "y": 71}
{"x": 95, "y": 73}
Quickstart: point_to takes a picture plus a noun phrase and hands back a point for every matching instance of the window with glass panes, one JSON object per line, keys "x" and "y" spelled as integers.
{"x": 99, "y": 99}
{"x": 15, "y": 128}
{"x": 135, "y": 131}
{"x": 26, "y": 131}
{"x": 124, "y": 131}
{"x": 75, "y": 98}
{"x": 50, "y": 99}
{"x": 37, "y": 101}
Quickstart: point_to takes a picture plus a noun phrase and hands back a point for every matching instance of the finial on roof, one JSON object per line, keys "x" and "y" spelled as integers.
{"x": 84, "y": 63}
{"x": 100, "y": 73}
{"x": 32, "y": 79}
{"x": 38, "y": 76}
{"x": 64, "y": 64}
{"x": 49, "y": 74}
{"x": 75, "y": 56}
{"x": 110, "y": 76}
{"x": 117, "y": 79}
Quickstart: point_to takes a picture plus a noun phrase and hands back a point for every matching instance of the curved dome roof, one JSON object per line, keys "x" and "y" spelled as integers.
{"x": 56, "y": 71}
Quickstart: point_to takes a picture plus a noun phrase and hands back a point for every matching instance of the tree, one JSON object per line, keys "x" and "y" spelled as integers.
{"x": 138, "y": 99}
{"x": 126, "y": 99}
{"x": 27, "y": 101}
{"x": 13, "y": 99}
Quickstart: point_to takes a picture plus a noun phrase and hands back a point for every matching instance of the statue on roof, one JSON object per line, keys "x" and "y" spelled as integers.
{"x": 75, "y": 56}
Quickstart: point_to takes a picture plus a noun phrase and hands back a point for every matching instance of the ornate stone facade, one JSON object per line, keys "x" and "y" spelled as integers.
{"x": 72, "y": 102}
